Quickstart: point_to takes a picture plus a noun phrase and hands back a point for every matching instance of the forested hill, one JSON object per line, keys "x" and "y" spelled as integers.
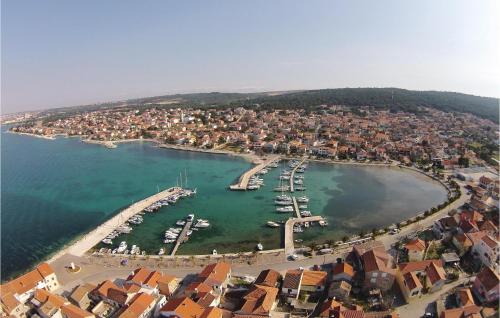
{"x": 393, "y": 98}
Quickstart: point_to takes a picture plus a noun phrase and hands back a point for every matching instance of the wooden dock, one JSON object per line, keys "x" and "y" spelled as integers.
{"x": 292, "y": 175}
{"x": 183, "y": 237}
{"x": 242, "y": 184}
{"x": 289, "y": 246}
{"x": 296, "y": 207}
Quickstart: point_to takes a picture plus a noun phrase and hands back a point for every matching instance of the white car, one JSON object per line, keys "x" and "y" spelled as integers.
{"x": 293, "y": 257}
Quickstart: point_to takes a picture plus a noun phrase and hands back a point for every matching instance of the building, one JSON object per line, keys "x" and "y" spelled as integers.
{"x": 291, "y": 284}
{"x": 415, "y": 249}
{"x": 413, "y": 276}
{"x": 313, "y": 281}
{"x": 140, "y": 306}
{"x": 486, "y": 286}
{"x": 258, "y": 302}
{"x": 80, "y": 296}
{"x": 268, "y": 277}
{"x": 16, "y": 293}
{"x": 109, "y": 292}
{"x": 379, "y": 274}
{"x": 487, "y": 250}
{"x": 342, "y": 271}
{"x": 339, "y": 289}
{"x": 182, "y": 308}
{"x": 216, "y": 275}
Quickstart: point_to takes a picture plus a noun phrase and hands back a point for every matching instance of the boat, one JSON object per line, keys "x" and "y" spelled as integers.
{"x": 281, "y": 188}
{"x": 273, "y": 165}
{"x": 323, "y": 223}
{"x": 298, "y": 240}
{"x": 214, "y": 252}
{"x": 272, "y": 224}
{"x": 303, "y": 199}
{"x": 180, "y": 223}
{"x": 200, "y": 223}
{"x": 284, "y": 177}
{"x": 253, "y": 187}
{"x": 107, "y": 241}
{"x": 300, "y": 188}
{"x": 284, "y": 209}
{"x": 303, "y": 207}
{"x": 283, "y": 197}
{"x": 122, "y": 247}
{"x": 306, "y": 224}
{"x": 161, "y": 252}
{"x": 298, "y": 181}
{"x": 277, "y": 202}
{"x": 168, "y": 241}
{"x": 305, "y": 213}
{"x": 190, "y": 217}
{"x": 188, "y": 233}
{"x": 260, "y": 247}
{"x": 299, "y": 177}
{"x": 298, "y": 229}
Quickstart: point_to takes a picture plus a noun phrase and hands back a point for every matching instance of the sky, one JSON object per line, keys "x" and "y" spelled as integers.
{"x": 64, "y": 53}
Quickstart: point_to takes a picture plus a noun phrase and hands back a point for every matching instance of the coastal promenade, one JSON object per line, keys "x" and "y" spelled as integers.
{"x": 245, "y": 178}
{"x": 183, "y": 237}
{"x": 289, "y": 246}
{"x": 292, "y": 175}
{"x": 92, "y": 238}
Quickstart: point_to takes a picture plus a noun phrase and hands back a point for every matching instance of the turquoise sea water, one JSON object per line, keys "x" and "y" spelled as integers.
{"x": 53, "y": 191}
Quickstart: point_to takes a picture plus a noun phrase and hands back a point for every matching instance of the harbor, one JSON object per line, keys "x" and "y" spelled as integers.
{"x": 243, "y": 181}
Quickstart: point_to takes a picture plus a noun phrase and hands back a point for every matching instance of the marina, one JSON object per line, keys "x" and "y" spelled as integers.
{"x": 244, "y": 180}
{"x": 77, "y": 201}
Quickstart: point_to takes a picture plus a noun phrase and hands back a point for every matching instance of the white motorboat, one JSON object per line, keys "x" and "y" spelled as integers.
{"x": 122, "y": 247}
{"x": 284, "y": 209}
{"x": 161, "y": 252}
{"x": 180, "y": 223}
{"x": 303, "y": 199}
{"x": 283, "y": 197}
{"x": 272, "y": 224}
{"x": 107, "y": 241}
{"x": 214, "y": 252}
{"x": 323, "y": 223}
{"x": 288, "y": 202}
{"x": 303, "y": 207}
{"x": 190, "y": 217}
{"x": 260, "y": 247}
{"x": 201, "y": 224}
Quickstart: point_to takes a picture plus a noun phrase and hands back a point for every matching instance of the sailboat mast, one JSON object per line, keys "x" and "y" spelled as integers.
{"x": 186, "y": 176}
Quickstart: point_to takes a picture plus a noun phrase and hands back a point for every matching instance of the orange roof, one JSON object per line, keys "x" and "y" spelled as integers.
{"x": 488, "y": 278}
{"x": 314, "y": 278}
{"x": 43, "y": 296}
{"x": 72, "y": 311}
{"x": 489, "y": 241}
{"x": 137, "y": 306}
{"x": 471, "y": 311}
{"x": 109, "y": 290}
{"x": 465, "y": 296}
{"x": 9, "y": 302}
{"x": 376, "y": 260}
{"x": 268, "y": 277}
{"x": 412, "y": 281}
{"x": 415, "y": 245}
{"x": 343, "y": 268}
{"x": 45, "y": 270}
{"x": 419, "y": 266}
{"x": 216, "y": 272}
{"x": 143, "y": 276}
{"x": 199, "y": 287}
{"x": 435, "y": 273}
{"x": 259, "y": 300}
{"x": 211, "y": 312}
{"x": 184, "y": 308}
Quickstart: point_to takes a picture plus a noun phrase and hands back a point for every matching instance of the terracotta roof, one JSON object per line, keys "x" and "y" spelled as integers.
{"x": 137, "y": 306}
{"x": 488, "y": 278}
{"x": 45, "y": 270}
{"x": 463, "y": 239}
{"x": 197, "y": 286}
{"x": 216, "y": 272}
{"x": 465, "y": 297}
{"x": 108, "y": 289}
{"x": 435, "y": 273}
{"x": 72, "y": 311}
{"x": 419, "y": 266}
{"x": 412, "y": 281}
{"x": 376, "y": 260}
{"x": 328, "y": 306}
{"x": 184, "y": 308}
{"x": 259, "y": 300}
{"x": 43, "y": 296}
{"x": 9, "y": 302}
{"x": 415, "y": 245}
{"x": 343, "y": 268}
{"x": 341, "y": 285}
{"x": 350, "y": 313}
{"x": 268, "y": 277}
{"x": 362, "y": 248}
{"x": 476, "y": 237}
{"x": 489, "y": 241}
{"x": 29, "y": 280}
{"x": 143, "y": 276}
{"x": 211, "y": 312}
{"x": 314, "y": 278}
{"x": 463, "y": 312}
{"x": 292, "y": 279}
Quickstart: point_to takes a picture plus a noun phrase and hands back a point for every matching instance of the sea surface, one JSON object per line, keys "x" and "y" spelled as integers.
{"x": 52, "y": 191}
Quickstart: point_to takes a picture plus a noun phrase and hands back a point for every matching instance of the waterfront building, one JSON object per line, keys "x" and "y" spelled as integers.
{"x": 486, "y": 286}
{"x": 141, "y": 306}
{"x": 80, "y": 296}
{"x": 216, "y": 275}
{"x": 313, "y": 281}
{"x": 291, "y": 284}
{"x": 16, "y": 293}
{"x": 268, "y": 277}
{"x": 412, "y": 276}
{"x": 342, "y": 272}
{"x": 415, "y": 249}
{"x": 259, "y": 301}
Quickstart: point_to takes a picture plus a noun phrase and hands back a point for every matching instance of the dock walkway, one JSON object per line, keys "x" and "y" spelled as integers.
{"x": 183, "y": 237}
{"x": 95, "y": 236}
{"x": 292, "y": 175}
{"x": 245, "y": 178}
{"x": 289, "y": 246}
{"x": 296, "y": 207}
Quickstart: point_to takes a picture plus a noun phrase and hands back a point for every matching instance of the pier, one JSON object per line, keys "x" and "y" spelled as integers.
{"x": 183, "y": 237}
{"x": 245, "y": 178}
{"x": 95, "y": 236}
{"x": 292, "y": 175}
{"x": 289, "y": 246}
{"x": 296, "y": 208}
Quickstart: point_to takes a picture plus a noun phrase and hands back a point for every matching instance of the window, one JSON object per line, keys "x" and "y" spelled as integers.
{"x": 414, "y": 293}
{"x": 384, "y": 275}
{"x": 373, "y": 280}
{"x": 374, "y": 274}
